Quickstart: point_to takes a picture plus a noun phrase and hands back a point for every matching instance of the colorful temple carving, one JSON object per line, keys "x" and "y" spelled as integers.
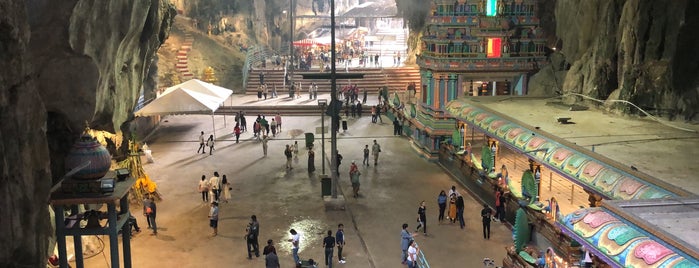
{"x": 474, "y": 48}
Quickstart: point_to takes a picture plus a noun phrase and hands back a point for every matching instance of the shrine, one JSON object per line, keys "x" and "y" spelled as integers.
{"x": 474, "y": 48}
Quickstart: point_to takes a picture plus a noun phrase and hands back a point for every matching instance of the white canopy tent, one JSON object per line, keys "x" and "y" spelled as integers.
{"x": 191, "y": 97}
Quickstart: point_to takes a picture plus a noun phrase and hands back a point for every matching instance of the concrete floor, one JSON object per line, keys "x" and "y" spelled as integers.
{"x": 390, "y": 192}
{"x": 390, "y": 195}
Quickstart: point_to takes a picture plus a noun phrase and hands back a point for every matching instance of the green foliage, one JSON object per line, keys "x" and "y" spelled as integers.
{"x": 521, "y": 231}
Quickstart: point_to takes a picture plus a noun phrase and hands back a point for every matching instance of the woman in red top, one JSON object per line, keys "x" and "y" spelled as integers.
{"x": 236, "y": 131}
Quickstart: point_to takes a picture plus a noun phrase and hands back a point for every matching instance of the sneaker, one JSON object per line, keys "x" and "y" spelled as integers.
{"x": 343, "y": 261}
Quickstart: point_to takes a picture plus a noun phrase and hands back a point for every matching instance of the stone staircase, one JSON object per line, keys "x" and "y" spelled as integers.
{"x": 182, "y": 66}
{"x": 396, "y": 78}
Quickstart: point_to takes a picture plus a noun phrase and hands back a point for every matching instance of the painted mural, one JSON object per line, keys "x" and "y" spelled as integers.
{"x": 621, "y": 243}
{"x": 589, "y": 172}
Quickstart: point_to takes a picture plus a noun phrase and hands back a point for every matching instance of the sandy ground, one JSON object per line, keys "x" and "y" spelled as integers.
{"x": 390, "y": 192}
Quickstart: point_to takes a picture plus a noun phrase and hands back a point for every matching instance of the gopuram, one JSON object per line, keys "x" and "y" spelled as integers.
{"x": 473, "y": 48}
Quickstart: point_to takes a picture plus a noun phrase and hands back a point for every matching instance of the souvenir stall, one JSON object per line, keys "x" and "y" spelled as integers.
{"x": 536, "y": 171}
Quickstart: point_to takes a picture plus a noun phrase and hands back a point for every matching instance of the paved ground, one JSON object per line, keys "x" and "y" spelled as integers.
{"x": 390, "y": 191}
{"x": 390, "y": 195}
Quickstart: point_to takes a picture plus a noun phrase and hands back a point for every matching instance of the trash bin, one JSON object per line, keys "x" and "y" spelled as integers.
{"x": 325, "y": 185}
{"x": 309, "y": 139}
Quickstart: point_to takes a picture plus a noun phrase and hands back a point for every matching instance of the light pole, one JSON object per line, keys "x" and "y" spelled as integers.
{"x": 322, "y": 103}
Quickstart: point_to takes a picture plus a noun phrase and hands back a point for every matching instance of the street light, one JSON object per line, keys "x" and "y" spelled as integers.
{"x": 322, "y": 103}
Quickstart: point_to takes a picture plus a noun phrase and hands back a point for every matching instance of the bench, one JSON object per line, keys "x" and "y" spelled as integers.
{"x": 563, "y": 119}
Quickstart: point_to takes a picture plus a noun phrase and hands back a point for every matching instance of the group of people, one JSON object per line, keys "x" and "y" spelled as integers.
{"x": 215, "y": 189}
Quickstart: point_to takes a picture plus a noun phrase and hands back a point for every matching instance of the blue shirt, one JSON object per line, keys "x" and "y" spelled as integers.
{"x": 442, "y": 199}
{"x": 340, "y": 237}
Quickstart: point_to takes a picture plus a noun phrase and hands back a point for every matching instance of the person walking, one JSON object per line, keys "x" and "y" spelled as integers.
{"x": 215, "y": 185}
{"x": 251, "y": 235}
{"x": 339, "y": 161}
{"x": 396, "y": 126}
{"x": 287, "y": 153}
{"x": 202, "y": 144}
{"x": 378, "y": 113}
{"x": 278, "y": 118}
{"x": 265, "y": 90}
{"x": 210, "y": 143}
{"x": 452, "y": 208}
{"x": 422, "y": 218}
{"x": 373, "y": 114}
{"x": 366, "y": 155}
{"x": 375, "y": 150}
{"x": 213, "y": 218}
{"x": 486, "y": 213}
{"x": 442, "y": 202}
{"x": 315, "y": 91}
{"x": 354, "y": 178}
{"x": 295, "y": 242}
{"x": 340, "y": 241}
{"x": 204, "y": 189}
{"x": 329, "y": 245}
{"x": 499, "y": 205}
{"x": 295, "y": 148}
{"x": 243, "y": 123}
{"x": 269, "y": 248}
{"x": 405, "y": 239}
{"x": 150, "y": 210}
{"x": 264, "y": 144}
{"x": 272, "y": 260}
{"x": 236, "y": 131}
{"x": 226, "y": 189}
{"x": 359, "y": 109}
{"x": 460, "y": 211}
{"x": 310, "y": 90}
{"x": 259, "y": 92}
{"x": 273, "y": 126}
{"x": 264, "y": 124}
{"x": 274, "y": 90}
{"x": 311, "y": 160}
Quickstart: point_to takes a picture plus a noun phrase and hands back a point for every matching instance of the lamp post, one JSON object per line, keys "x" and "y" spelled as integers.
{"x": 322, "y": 103}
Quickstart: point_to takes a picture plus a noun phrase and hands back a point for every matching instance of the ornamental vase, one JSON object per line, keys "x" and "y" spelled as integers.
{"x": 87, "y": 148}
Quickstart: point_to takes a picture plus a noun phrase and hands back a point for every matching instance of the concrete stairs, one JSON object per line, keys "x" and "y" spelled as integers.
{"x": 183, "y": 56}
{"x": 396, "y": 78}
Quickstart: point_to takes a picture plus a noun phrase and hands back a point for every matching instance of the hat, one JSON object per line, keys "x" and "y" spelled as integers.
{"x": 352, "y": 161}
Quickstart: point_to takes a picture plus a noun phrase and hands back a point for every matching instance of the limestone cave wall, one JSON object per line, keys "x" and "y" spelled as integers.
{"x": 63, "y": 63}
{"x": 641, "y": 51}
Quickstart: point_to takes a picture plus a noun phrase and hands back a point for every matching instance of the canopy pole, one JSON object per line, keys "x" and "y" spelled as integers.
{"x": 213, "y": 124}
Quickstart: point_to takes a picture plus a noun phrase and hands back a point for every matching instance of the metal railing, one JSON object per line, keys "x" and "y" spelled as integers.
{"x": 254, "y": 55}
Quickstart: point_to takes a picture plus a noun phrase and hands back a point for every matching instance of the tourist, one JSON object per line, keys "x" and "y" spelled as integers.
{"x": 359, "y": 109}
{"x": 310, "y": 91}
{"x": 412, "y": 254}
{"x": 373, "y": 114}
{"x": 259, "y": 91}
{"x": 442, "y": 202}
{"x": 271, "y": 260}
{"x": 256, "y": 130}
{"x": 366, "y": 155}
{"x": 460, "y": 211}
{"x": 215, "y": 185}
{"x": 295, "y": 242}
{"x": 340, "y": 240}
{"x": 264, "y": 125}
{"x": 287, "y": 153}
{"x": 213, "y": 218}
{"x": 266, "y": 91}
{"x": 396, "y": 126}
{"x": 149, "y": 210}
{"x": 406, "y": 238}
{"x": 296, "y": 149}
{"x": 274, "y": 90}
{"x": 264, "y": 144}
{"x": 204, "y": 189}
{"x": 422, "y": 218}
{"x": 375, "y": 150}
{"x": 262, "y": 78}
{"x": 329, "y": 245}
{"x": 278, "y": 118}
{"x": 236, "y": 131}
{"x": 210, "y": 142}
{"x": 315, "y": 91}
{"x": 486, "y": 213}
{"x": 273, "y": 126}
{"x": 269, "y": 248}
{"x": 202, "y": 144}
{"x": 338, "y": 159}
{"x": 226, "y": 189}
{"x": 311, "y": 160}
{"x": 243, "y": 123}
{"x": 354, "y": 178}
{"x": 378, "y": 113}
{"x": 252, "y": 232}
{"x": 499, "y": 205}
{"x": 452, "y": 208}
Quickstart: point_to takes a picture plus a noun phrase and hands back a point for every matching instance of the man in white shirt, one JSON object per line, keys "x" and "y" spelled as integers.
{"x": 202, "y": 146}
{"x": 295, "y": 242}
{"x": 215, "y": 185}
{"x": 375, "y": 150}
{"x": 412, "y": 254}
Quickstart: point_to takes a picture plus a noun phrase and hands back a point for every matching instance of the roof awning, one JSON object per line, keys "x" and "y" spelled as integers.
{"x": 622, "y": 244}
{"x": 592, "y": 171}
